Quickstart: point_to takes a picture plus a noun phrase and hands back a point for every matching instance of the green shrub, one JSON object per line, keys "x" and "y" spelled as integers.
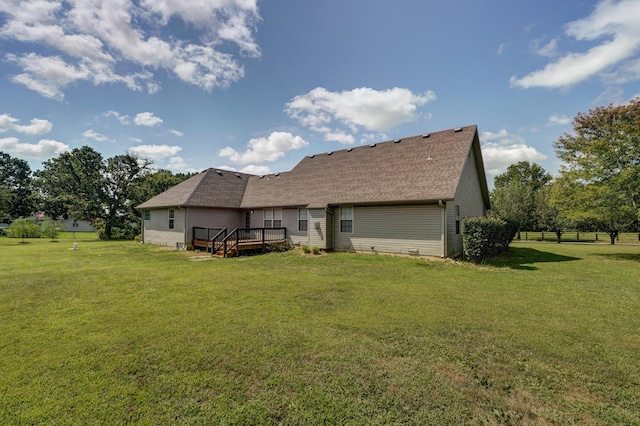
{"x": 306, "y": 249}
{"x": 315, "y": 250}
{"x": 51, "y": 228}
{"x": 24, "y": 228}
{"x": 484, "y": 237}
{"x": 279, "y": 246}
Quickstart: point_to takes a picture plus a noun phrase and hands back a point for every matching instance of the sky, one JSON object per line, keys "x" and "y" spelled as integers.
{"x": 255, "y": 85}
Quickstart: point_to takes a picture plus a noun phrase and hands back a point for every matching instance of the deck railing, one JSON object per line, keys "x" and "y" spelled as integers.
{"x": 205, "y": 234}
{"x": 250, "y": 235}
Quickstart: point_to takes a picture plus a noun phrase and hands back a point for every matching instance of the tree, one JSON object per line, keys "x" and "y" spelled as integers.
{"x": 81, "y": 185}
{"x": 16, "y": 192}
{"x": 514, "y": 193}
{"x": 601, "y": 171}
{"x": 51, "y": 228}
{"x": 549, "y": 216}
{"x": 24, "y": 228}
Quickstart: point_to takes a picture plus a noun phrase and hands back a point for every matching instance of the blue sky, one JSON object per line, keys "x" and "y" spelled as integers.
{"x": 255, "y": 86}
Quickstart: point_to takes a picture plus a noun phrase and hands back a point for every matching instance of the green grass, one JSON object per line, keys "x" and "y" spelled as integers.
{"x": 122, "y": 333}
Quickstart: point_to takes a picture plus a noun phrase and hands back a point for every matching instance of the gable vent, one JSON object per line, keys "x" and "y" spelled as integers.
{"x": 426, "y": 135}
{"x": 457, "y": 129}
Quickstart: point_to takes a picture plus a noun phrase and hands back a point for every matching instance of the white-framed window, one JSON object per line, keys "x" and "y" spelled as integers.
{"x": 346, "y": 219}
{"x": 272, "y": 218}
{"x": 172, "y": 216}
{"x": 147, "y": 215}
{"x": 303, "y": 220}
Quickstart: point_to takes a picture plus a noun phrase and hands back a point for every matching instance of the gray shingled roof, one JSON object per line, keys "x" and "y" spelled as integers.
{"x": 418, "y": 169}
{"x": 211, "y": 188}
{"x": 415, "y": 169}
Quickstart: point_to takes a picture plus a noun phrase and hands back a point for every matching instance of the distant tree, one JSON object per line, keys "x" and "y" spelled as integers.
{"x": 24, "y": 228}
{"x": 602, "y": 158}
{"x": 16, "y": 191}
{"x": 51, "y": 228}
{"x": 514, "y": 193}
{"x": 549, "y": 216}
{"x": 83, "y": 186}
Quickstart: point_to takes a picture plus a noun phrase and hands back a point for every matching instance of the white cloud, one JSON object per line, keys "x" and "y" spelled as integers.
{"x": 502, "y": 48}
{"x": 362, "y": 108}
{"x": 558, "y": 120}
{"x": 501, "y": 149}
{"x": 155, "y": 152}
{"x": 43, "y": 150}
{"x": 549, "y": 50}
{"x": 617, "y": 23}
{"x": 123, "y": 119}
{"x": 37, "y": 126}
{"x": 271, "y": 148}
{"x": 91, "y": 134}
{"x": 177, "y": 133}
{"x": 147, "y": 119}
{"x": 92, "y": 40}
{"x": 178, "y": 164}
{"x": 135, "y": 140}
{"x": 256, "y": 170}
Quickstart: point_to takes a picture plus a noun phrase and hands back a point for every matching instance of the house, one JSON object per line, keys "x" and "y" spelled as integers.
{"x": 405, "y": 196}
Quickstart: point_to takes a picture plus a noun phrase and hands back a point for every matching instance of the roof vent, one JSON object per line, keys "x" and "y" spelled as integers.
{"x": 350, "y": 149}
{"x": 426, "y": 135}
{"x": 262, "y": 177}
{"x": 330, "y": 152}
{"x": 276, "y": 174}
{"x": 219, "y": 172}
{"x": 457, "y": 129}
{"x": 311, "y": 156}
{"x": 372, "y": 145}
{"x": 397, "y": 140}
{"x": 238, "y": 176}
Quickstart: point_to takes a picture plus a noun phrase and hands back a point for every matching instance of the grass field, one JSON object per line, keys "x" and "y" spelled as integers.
{"x": 123, "y": 333}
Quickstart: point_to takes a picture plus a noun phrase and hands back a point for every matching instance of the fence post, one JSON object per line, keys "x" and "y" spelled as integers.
{"x": 526, "y": 236}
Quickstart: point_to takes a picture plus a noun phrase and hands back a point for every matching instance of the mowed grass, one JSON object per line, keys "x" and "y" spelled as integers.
{"x": 123, "y": 333}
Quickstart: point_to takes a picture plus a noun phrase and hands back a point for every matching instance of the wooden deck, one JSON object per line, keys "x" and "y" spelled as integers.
{"x": 242, "y": 246}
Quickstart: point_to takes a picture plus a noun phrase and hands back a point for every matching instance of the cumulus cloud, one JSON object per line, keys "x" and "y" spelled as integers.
{"x": 271, "y": 148}
{"x": 37, "y": 126}
{"x": 559, "y": 120}
{"x": 123, "y": 119}
{"x": 147, "y": 119}
{"x": 617, "y": 23}
{"x": 177, "y": 133}
{"x": 501, "y": 149}
{"x": 93, "y": 41}
{"x": 252, "y": 169}
{"x": 155, "y": 152}
{"x": 43, "y": 150}
{"x": 337, "y": 114}
{"x": 91, "y": 134}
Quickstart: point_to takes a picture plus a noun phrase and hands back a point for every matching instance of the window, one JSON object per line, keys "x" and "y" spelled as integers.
{"x": 171, "y": 218}
{"x": 457, "y": 220}
{"x": 147, "y": 215}
{"x": 303, "y": 220}
{"x": 247, "y": 219}
{"x": 346, "y": 219}
{"x": 273, "y": 218}
{"x": 75, "y": 225}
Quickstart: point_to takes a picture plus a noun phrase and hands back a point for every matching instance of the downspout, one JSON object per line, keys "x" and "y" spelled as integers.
{"x": 184, "y": 233}
{"x": 142, "y": 227}
{"x": 443, "y": 234}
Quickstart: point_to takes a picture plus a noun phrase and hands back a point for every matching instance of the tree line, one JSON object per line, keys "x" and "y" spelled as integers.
{"x": 83, "y": 186}
{"x": 598, "y": 186}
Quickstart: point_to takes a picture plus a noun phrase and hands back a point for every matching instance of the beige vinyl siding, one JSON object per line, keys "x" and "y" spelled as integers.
{"x": 156, "y": 229}
{"x": 469, "y": 198}
{"x": 213, "y": 218}
{"x": 290, "y": 221}
{"x": 393, "y": 229}
{"x": 318, "y": 233}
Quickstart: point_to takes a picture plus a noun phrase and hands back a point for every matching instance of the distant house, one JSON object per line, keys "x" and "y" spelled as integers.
{"x": 405, "y": 196}
{"x": 71, "y": 225}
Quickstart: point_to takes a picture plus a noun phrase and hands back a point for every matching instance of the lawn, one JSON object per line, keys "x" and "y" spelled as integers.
{"x": 124, "y": 333}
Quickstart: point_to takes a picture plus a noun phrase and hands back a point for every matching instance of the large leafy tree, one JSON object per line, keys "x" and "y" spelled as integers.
{"x": 81, "y": 185}
{"x": 601, "y": 170}
{"x": 16, "y": 191}
{"x": 514, "y": 193}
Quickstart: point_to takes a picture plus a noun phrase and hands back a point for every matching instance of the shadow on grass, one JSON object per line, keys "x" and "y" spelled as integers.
{"x": 621, "y": 256}
{"x": 523, "y": 258}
